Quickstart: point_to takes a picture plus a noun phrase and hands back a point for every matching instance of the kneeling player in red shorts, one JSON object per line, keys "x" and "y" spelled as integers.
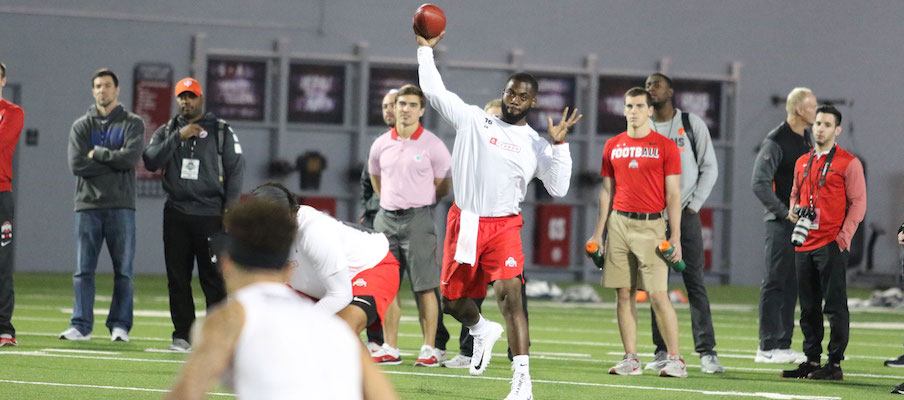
{"x": 346, "y": 268}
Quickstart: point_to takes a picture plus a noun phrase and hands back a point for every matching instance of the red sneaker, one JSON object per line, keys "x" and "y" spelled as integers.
{"x": 8, "y": 340}
{"x": 428, "y": 357}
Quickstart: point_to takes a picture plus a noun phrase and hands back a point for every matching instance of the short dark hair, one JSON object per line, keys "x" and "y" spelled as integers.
{"x": 410, "y": 89}
{"x": 105, "y": 72}
{"x": 830, "y": 109}
{"x": 2, "y": 70}
{"x": 275, "y": 192}
{"x": 639, "y": 91}
{"x": 665, "y": 78}
{"x": 260, "y": 226}
{"x": 527, "y": 78}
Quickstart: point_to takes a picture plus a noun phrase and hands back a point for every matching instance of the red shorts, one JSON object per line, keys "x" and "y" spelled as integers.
{"x": 499, "y": 256}
{"x": 381, "y": 282}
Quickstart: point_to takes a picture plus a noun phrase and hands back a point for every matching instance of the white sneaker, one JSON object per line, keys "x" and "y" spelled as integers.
{"x": 74, "y": 334}
{"x": 521, "y": 387}
{"x": 459, "y": 361}
{"x": 387, "y": 356}
{"x": 180, "y": 345}
{"x": 483, "y": 348}
{"x": 119, "y": 335}
{"x": 627, "y": 366}
{"x": 795, "y": 356}
{"x": 659, "y": 360}
{"x": 373, "y": 347}
{"x": 764, "y": 356}
{"x": 427, "y": 357}
{"x": 709, "y": 364}
{"x": 674, "y": 368}
{"x": 440, "y": 355}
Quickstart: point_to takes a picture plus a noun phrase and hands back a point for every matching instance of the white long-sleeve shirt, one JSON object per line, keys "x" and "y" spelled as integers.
{"x": 328, "y": 253}
{"x": 492, "y": 161}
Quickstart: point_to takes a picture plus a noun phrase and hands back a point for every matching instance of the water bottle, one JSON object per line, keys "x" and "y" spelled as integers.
{"x": 666, "y": 249}
{"x": 593, "y": 250}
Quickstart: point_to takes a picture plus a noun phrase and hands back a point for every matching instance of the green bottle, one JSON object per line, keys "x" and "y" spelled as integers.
{"x": 593, "y": 250}
{"x": 666, "y": 249}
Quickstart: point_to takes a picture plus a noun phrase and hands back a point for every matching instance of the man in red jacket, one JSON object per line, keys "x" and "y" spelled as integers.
{"x": 11, "y": 120}
{"x": 830, "y": 192}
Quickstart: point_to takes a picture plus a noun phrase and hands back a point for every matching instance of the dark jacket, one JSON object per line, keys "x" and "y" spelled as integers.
{"x": 773, "y": 170}
{"x": 206, "y": 195}
{"x": 107, "y": 180}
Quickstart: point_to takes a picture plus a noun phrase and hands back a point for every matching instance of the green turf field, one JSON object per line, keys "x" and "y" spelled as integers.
{"x": 572, "y": 348}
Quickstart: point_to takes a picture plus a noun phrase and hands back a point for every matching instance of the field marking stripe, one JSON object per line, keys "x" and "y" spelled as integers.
{"x": 42, "y": 354}
{"x": 100, "y": 352}
{"x": 768, "y": 395}
{"x": 136, "y": 389}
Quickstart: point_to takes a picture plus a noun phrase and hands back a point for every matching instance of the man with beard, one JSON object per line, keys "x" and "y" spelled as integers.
{"x": 829, "y": 181}
{"x": 104, "y": 147}
{"x": 773, "y": 172}
{"x": 202, "y": 167}
{"x": 699, "y": 171}
{"x": 493, "y": 160}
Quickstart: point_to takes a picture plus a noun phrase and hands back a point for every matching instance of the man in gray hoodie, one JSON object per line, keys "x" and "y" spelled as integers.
{"x": 202, "y": 164}
{"x": 104, "y": 146}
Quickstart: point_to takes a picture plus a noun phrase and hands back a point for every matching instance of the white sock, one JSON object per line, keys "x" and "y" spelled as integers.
{"x": 480, "y": 326}
{"x": 522, "y": 364}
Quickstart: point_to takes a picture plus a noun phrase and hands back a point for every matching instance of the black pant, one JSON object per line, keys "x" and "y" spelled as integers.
{"x": 701, "y": 317}
{"x": 778, "y": 294}
{"x": 466, "y": 341}
{"x": 821, "y": 276}
{"x": 184, "y": 241}
{"x": 7, "y": 296}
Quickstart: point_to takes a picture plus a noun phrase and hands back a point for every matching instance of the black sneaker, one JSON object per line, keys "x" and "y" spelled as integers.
{"x": 804, "y": 369}
{"x": 827, "y": 373}
{"x": 896, "y": 363}
{"x": 898, "y": 389}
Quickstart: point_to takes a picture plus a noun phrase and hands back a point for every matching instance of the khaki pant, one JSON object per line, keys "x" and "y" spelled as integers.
{"x": 631, "y": 257}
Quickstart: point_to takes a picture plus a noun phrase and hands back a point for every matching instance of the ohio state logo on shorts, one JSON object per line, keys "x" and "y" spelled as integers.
{"x": 360, "y": 282}
{"x": 511, "y": 263}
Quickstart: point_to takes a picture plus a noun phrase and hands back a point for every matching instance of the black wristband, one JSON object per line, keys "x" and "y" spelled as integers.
{"x": 561, "y": 142}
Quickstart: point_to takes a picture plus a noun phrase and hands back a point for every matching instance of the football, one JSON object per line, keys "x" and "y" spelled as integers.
{"x": 429, "y": 21}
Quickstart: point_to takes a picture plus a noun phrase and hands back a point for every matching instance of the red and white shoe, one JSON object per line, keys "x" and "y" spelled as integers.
{"x": 8, "y": 340}
{"x": 387, "y": 356}
{"x": 429, "y": 357}
{"x": 373, "y": 347}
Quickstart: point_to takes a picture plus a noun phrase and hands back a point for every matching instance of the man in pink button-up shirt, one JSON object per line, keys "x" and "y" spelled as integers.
{"x": 410, "y": 169}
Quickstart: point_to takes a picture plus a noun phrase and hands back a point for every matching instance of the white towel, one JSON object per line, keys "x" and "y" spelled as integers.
{"x": 466, "y": 248}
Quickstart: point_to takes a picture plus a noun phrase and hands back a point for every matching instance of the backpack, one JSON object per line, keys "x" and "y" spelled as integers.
{"x": 686, "y": 122}
{"x": 221, "y": 129}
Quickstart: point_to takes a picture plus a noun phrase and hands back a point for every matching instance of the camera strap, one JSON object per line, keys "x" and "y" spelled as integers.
{"x": 814, "y": 192}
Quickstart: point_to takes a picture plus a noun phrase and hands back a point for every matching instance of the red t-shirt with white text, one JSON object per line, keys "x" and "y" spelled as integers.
{"x": 638, "y": 167}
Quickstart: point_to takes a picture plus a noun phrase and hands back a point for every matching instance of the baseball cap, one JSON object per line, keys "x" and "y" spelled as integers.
{"x": 189, "y": 85}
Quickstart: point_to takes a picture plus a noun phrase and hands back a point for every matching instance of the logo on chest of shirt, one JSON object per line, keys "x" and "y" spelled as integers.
{"x": 505, "y": 146}
{"x": 633, "y": 164}
{"x": 634, "y": 152}
{"x": 487, "y": 122}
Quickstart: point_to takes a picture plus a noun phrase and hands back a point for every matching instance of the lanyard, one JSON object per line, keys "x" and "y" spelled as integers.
{"x": 822, "y": 176}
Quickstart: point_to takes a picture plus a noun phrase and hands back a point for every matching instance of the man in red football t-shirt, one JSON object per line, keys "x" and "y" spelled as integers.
{"x": 643, "y": 169}
{"x": 11, "y": 121}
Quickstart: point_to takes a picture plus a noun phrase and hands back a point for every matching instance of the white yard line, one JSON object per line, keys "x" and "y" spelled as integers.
{"x": 76, "y": 351}
{"x": 135, "y": 389}
{"x": 767, "y": 395}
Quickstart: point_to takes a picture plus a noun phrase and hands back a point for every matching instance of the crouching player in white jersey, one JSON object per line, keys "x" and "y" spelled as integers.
{"x": 493, "y": 160}
{"x": 347, "y": 269}
{"x": 266, "y": 341}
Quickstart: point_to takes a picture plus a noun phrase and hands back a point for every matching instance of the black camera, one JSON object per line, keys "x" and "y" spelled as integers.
{"x": 805, "y": 215}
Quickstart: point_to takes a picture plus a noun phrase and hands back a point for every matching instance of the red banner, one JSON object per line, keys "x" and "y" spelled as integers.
{"x": 152, "y": 100}
{"x": 324, "y": 204}
{"x": 552, "y": 245}
{"x": 706, "y": 220}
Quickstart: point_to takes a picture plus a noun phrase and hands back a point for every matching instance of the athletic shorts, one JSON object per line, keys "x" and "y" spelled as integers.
{"x": 499, "y": 256}
{"x": 631, "y": 257}
{"x": 380, "y": 282}
{"x": 412, "y": 240}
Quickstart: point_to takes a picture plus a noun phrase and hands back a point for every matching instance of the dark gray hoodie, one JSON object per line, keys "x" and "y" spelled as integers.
{"x": 107, "y": 180}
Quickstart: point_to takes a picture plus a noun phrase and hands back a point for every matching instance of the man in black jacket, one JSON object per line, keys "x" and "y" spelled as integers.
{"x": 773, "y": 174}
{"x": 203, "y": 165}
{"x": 104, "y": 147}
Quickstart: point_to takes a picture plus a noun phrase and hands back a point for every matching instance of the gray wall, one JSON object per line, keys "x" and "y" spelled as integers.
{"x": 837, "y": 48}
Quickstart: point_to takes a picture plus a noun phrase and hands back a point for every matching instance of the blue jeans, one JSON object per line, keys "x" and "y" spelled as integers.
{"x": 93, "y": 227}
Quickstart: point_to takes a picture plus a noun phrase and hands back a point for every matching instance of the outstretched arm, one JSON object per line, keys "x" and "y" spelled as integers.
{"x": 448, "y": 104}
